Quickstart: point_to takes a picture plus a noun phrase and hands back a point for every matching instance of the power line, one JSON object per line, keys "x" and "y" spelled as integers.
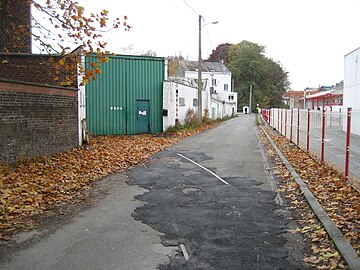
{"x": 191, "y": 8}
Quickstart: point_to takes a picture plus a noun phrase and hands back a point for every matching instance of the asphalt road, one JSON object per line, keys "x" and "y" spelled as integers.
{"x": 226, "y": 220}
{"x": 209, "y": 199}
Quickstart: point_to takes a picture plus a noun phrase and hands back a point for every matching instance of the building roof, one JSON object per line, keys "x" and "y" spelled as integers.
{"x": 352, "y": 51}
{"x": 295, "y": 93}
{"x": 334, "y": 92}
{"x": 207, "y": 66}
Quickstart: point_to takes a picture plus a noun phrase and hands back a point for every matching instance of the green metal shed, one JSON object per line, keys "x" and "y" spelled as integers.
{"x": 127, "y": 97}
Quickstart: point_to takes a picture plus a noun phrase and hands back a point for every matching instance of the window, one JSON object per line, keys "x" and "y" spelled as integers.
{"x": 182, "y": 101}
{"x": 195, "y": 102}
{"x": 213, "y": 82}
{"x": 231, "y": 98}
{"x": 226, "y": 87}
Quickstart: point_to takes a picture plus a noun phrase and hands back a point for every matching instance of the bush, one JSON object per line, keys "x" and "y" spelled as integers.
{"x": 172, "y": 129}
{"x": 206, "y": 119}
{"x": 191, "y": 119}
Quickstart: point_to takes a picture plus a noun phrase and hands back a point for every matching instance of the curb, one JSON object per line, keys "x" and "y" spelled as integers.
{"x": 343, "y": 246}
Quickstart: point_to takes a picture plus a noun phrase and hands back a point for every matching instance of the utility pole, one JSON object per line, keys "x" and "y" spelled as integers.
{"x": 250, "y": 98}
{"x": 199, "y": 76}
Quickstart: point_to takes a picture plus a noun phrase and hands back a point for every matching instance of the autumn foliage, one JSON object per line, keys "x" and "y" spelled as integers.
{"x": 340, "y": 200}
{"x": 61, "y": 28}
{"x": 32, "y": 188}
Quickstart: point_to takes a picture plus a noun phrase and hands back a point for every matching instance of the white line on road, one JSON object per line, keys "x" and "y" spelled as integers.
{"x": 202, "y": 167}
{"x": 183, "y": 249}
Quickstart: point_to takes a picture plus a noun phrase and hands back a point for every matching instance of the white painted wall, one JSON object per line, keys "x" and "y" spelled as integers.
{"x": 352, "y": 88}
{"x": 228, "y": 102}
{"x": 221, "y": 79}
{"x": 81, "y": 100}
{"x": 176, "y": 110}
{"x": 171, "y": 102}
{"x": 352, "y": 80}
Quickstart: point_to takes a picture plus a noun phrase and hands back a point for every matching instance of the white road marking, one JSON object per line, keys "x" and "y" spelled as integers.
{"x": 202, "y": 167}
{"x": 183, "y": 249}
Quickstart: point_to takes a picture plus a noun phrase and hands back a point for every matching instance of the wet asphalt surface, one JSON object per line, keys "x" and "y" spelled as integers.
{"x": 235, "y": 226}
{"x": 230, "y": 217}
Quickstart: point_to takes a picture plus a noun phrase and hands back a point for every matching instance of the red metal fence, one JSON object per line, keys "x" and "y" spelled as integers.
{"x": 330, "y": 136}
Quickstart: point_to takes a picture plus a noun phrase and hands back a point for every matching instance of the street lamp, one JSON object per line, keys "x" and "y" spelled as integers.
{"x": 199, "y": 71}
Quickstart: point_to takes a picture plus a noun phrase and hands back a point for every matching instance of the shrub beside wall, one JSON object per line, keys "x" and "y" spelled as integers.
{"x": 36, "y": 120}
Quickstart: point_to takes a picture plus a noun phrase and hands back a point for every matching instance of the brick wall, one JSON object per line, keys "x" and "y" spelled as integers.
{"x": 39, "y": 69}
{"x": 36, "y": 120}
{"x": 15, "y": 26}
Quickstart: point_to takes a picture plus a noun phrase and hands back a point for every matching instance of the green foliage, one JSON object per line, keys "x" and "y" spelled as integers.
{"x": 173, "y": 129}
{"x": 249, "y": 66}
{"x": 191, "y": 121}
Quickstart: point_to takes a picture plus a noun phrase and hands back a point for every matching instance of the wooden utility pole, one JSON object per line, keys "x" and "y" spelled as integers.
{"x": 199, "y": 76}
{"x": 250, "y": 101}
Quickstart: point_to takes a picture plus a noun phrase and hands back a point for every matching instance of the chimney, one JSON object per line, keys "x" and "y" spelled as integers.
{"x": 15, "y": 26}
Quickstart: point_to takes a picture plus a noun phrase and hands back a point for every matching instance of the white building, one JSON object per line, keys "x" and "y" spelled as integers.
{"x": 180, "y": 93}
{"x": 352, "y": 80}
{"x": 351, "y": 97}
{"x": 219, "y": 98}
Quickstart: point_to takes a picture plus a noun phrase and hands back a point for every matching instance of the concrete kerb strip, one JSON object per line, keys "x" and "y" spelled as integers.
{"x": 343, "y": 246}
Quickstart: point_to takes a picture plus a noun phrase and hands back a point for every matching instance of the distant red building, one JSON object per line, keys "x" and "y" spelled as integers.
{"x": 332, "y": 99}
{"x": 295, "y": 99}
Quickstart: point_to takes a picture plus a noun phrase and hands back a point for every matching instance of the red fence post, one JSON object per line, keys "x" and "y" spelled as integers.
{"x": 322, "y": 136}
{"x": 263, "y": 113}
{"x": 298, "y": 128}
{"x": 347, "y": 153}
{"x": 308, "y": 132}
{"x": 291, "y": 123}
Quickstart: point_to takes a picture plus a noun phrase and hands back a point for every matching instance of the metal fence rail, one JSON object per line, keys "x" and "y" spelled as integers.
{"x": 331, "y": 136}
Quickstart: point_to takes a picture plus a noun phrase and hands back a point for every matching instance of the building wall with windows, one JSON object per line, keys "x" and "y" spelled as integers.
{"x": 177, "y": 100}
{"x": 180, "y": 95}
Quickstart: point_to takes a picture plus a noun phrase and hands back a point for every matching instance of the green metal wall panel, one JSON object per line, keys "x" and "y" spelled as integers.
{"x": 111, "y": 98}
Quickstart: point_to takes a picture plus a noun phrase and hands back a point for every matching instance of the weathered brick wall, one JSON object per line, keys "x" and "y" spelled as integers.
{"x": 36, "y": 120}
{"x": 15, "y": 26}
{"x": 39, "y": 69}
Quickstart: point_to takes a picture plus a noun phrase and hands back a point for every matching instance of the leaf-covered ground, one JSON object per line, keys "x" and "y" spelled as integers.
{"x": 339, "y": 199}
{"x": 33, "y": 188}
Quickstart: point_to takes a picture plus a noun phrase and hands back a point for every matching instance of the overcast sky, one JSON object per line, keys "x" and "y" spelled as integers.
{"x": 308, "y": 37}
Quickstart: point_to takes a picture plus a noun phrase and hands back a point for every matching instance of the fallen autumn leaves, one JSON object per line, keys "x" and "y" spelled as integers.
{"x": 339, "y": 199}
{"x": 33, "y": 187}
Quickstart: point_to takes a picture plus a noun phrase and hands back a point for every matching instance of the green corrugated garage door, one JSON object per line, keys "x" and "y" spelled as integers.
{"x": 112, "y": 100}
